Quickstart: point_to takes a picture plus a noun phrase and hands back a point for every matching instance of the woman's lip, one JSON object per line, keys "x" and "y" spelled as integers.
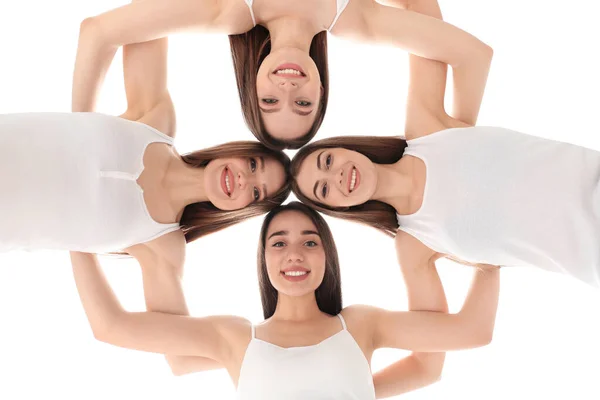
{"x": 350, "y": 179}
{"x": 227, "y": 172}
{"x": 290, "y": 66}
{"x": 295, "y": 278}
{"x": 223, "y": 184}
{"x": 232, "y": 184}
{"x": 297, "y": 268}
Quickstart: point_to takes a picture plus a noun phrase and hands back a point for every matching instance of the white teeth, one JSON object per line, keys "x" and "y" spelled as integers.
{"x": 353, "y": 180}
{"x": 227, "y": 184}
{"x": 288, "y": 71}
{"x": 295, "y": 273}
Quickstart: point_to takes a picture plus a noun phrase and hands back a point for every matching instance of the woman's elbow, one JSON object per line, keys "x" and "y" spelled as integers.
{"x": 435, "y": 370}
{"x": 485, "y": 54}
{"x": 432, "y": 365}
{"x": 177, "y": 368}
{"x": 489, "y": 52}
{"x": 88, "y": 26}
{"x": 484, "y": 336}
{"x": 91, "y": 31}
{"x": 105, "y": 330}
{"x": 101, "y": 332}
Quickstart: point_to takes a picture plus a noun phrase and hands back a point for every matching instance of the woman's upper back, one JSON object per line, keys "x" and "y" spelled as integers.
{"x": 69, "y": 182}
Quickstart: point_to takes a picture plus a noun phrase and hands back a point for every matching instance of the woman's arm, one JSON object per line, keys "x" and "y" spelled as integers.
{"x": 143, "y": 21}
{"x": 416, "y": 33}
{"x": 427, "y": 85}
{"x": 148, "y": 331}
{"x": 419, "y": 30}
{"x": 145, "y": 77}
{"x": 425, "y": 293}
{"x": 163, "y": 293}
{"x": 472, "y": 326}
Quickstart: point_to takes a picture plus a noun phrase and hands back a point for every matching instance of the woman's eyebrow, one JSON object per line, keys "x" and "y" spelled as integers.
{"x": 269, "y": 110}
{"x": 278, "y": 233}
{"x": 319, "y": 159}
{"x": 303, "y": 113}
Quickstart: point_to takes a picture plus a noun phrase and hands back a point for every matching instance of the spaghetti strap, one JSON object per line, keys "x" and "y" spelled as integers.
{"x": 343, "y": 321}
{"x": 341, "y": 6}
{"x": 249, "y": 4}
{"x": 253, "y": 332}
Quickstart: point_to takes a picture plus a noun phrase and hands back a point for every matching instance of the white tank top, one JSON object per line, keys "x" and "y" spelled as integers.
{"x": 334, "y": 369}
{"x": 68, "y": 182}
{"x": 505, "y": 198}
{"x": 340, "y": 7}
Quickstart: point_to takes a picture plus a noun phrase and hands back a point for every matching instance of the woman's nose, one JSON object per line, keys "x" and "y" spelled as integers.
{"x": 242, "y": 180}
{"x": 288, "y": 85}
{"x": 294, "y": 255}
{"x": 339, "y": 177}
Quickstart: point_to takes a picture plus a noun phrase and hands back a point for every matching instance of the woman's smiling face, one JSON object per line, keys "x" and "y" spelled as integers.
{"x": 234, "y": 183}
{"x": 289, "y": 92}
{"x": 294, "y": 254}
{"x": 337, "y": 177}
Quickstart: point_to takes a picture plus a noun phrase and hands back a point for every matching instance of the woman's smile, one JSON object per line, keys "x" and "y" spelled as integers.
{"x": 227, "y": 181}
{"x": 290, "y": 70}
{"x": 353, "y": 179}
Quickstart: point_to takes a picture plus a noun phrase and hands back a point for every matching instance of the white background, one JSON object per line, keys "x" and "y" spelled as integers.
{"x": 544, "y": 81}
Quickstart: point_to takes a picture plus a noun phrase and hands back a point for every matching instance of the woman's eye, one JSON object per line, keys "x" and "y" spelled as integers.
{"x": 310, "y": 243}
{"x": 328, "y": 161}
{"x": 269, "y": 101}
{"x": 252, "y": 164}
{"x": 278, "y": 244}
{"x": 303, "y": 103}
{"x": 324, "y": 191}
{"x": 256, "y": 194}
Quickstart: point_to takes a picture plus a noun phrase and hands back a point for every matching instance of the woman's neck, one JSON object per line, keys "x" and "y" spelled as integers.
{"x": 183, "y": 184}
{"x": 291, "y": 32}
{"x": 397, "y": 185}
{"x": 297, "y": 309}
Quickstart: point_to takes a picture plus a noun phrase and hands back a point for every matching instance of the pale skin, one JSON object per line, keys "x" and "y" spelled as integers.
{"x": 325, "y": 177}
{"x": 100, "y": 45}
{"x": 288, "y": 101}
{"x": 160, "y": 295}
{"x": 168, "y": 183}
{"x": 293, "y": 241}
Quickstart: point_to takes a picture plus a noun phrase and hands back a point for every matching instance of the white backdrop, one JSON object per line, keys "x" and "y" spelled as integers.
{"x": 544, "y": 81}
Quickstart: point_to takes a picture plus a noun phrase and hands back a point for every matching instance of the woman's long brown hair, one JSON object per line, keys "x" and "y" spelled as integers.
{"x": 202, "y": 218}
{"x": 248, "y": 51}
{"x": 329, "y": 292}
{"x": 378, "y": 149}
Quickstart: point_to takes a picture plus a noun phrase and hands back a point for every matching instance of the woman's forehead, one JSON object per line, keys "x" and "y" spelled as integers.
{"x": 291, "y": 221}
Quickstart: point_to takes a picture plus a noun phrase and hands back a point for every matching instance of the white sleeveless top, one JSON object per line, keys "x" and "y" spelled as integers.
{"x": 334, "y": 369}
{"x": 505, "y": 198}
{"x": 340, "y": 7}
{"x": 68, "y": 182}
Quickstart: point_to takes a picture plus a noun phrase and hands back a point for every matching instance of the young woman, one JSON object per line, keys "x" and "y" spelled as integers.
{"x": 97, "y": 183}
{"x": 281, "y": 65}
{"x": 474, "y": 194}
{"x": 305, "y": 324}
